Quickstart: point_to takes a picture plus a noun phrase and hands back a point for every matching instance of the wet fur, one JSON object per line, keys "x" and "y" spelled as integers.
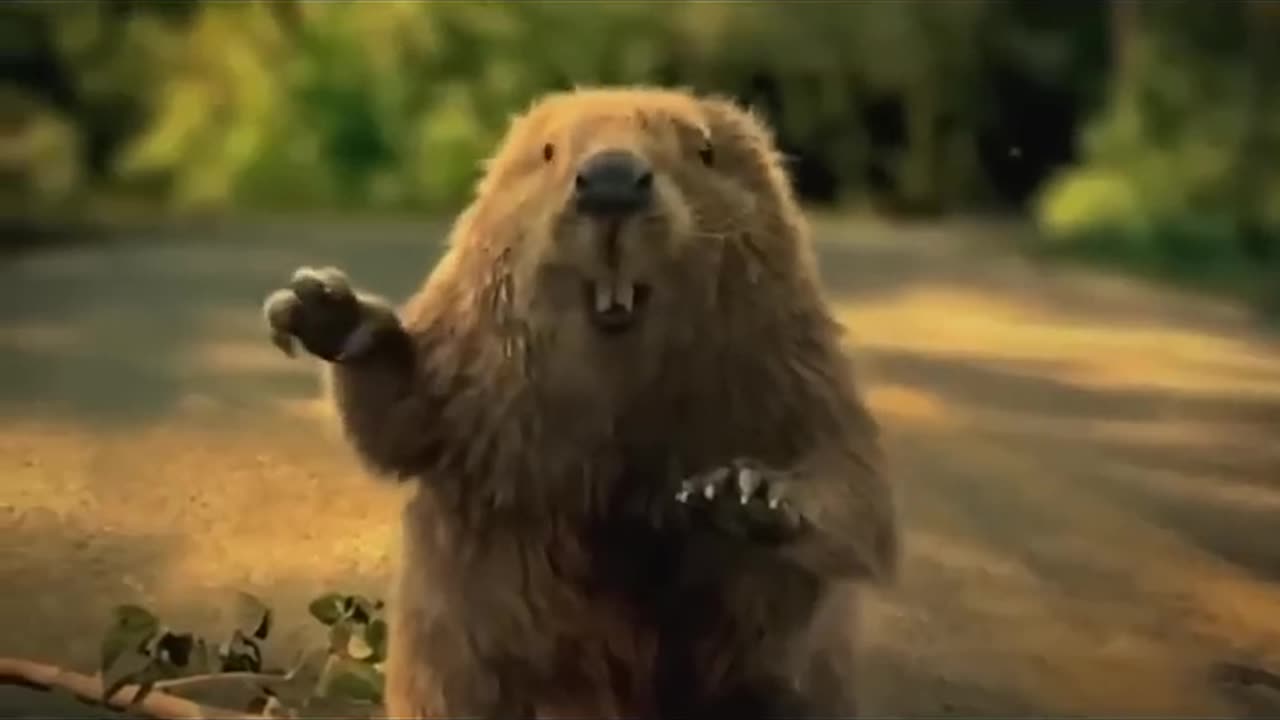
{"x": 546, "y": 569}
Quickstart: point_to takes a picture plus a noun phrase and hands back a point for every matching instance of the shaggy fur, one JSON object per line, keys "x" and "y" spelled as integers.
{"x": 577, "y": 546}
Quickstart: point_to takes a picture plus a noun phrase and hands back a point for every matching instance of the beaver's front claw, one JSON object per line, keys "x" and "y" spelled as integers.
{"x": 321, "y": 311}
{"x": 743, "y": 498}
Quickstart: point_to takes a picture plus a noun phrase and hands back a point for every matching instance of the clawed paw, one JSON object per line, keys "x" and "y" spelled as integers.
{"x": 744, "y": 498}
{"x": 320, "y": 310}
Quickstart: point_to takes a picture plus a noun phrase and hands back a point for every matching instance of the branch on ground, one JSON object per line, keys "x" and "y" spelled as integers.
{"x": 90, "y": 690}
{"x": 1246, "y": 675}
{"x": 143, "y": 661}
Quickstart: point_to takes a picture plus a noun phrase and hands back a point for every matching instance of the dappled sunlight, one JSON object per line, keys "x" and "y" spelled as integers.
{"x": 985, "y": 326}
{"x": 1219, "y": 489}
{"x": 1021, "y": 527}
{"x": 1069, "y": 653}
{"x": 1089, "y": 501}
{"x": 1051, "y": 231}
{"x": 244, "y": 563}
{"x": 236, "y": 507}
{"x": 907, "y": 404}
{"x": 1226, "y": 606}
{"x": 317, "y": 409}
{"x": 1220, "y": 435}
{"x": 46, "y": 469}
{"x": 1070, "y": 650}
{"x": 965, "y": 559}
{"x": 1214, "y": 440}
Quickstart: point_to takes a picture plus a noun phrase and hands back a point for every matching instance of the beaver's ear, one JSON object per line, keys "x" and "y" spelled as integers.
{"x": 744, "y": 144}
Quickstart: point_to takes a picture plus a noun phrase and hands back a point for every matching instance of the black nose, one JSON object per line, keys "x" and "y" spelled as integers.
{"x": 613, "y": 182}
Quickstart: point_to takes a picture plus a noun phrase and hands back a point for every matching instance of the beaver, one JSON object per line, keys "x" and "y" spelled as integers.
{"x": 646, "y": 483}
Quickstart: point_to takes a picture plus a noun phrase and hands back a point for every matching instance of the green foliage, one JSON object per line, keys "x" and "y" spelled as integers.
{"x": 830, "y": 62}
{"x": 346, "y": 669}
{"x": 1176, "y": 172}
{"x": 40, "y": 159}
{"x": 133, "y": 628}
{"x": 386, "y": 106}
{"x": 395, "y": 104}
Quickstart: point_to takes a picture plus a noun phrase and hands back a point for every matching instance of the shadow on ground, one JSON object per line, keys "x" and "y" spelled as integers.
{"x": 126, "y": 332}
{"x": 1089, "y": 472}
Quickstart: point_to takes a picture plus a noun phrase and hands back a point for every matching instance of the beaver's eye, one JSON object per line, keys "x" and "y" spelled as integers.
{"x": 548, "y": 152}
{"x": 706, "y": 153}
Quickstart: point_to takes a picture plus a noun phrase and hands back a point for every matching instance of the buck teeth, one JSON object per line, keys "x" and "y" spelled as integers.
{"x": 611, "y": 294}
{"x": 624, "y": 294}
{"x": 604, "y": 298}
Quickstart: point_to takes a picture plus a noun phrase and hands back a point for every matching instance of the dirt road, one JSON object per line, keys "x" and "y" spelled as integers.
{"x": 1090, "y": 469}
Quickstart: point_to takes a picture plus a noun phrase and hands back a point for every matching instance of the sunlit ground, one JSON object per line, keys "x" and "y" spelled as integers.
{"x": 1090, "y": 470}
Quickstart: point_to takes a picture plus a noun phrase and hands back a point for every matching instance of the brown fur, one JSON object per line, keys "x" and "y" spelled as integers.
{"x": 545, "y": 566}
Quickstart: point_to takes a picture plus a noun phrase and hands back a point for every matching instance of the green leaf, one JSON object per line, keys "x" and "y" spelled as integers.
{"x": 253, "y": 617}
{"x": 351, "y": 680}
{"x": 134, "y": 617}
{"x": 357, "y": 647}
{"x": 339, "y": 637}
{"x": 328, "y": 608}
{"x": 375, "y": 635}
{"x": 132, "y": 627}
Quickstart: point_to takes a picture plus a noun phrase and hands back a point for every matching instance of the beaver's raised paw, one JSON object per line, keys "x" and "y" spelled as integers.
{"x": 744, "y": 498}
{"x": 320, "y": 310}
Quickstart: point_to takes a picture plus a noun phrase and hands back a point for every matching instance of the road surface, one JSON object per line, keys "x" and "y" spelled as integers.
{"x": 1089, "y": 468}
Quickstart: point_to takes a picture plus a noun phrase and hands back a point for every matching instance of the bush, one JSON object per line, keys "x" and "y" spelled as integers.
{"x": 387, "y": 107}
{"x": 1090, "y": 200}
{"x": 1175, "y": 176}
{"x": 281, "y": 103}
{"x": 39, "y": 155}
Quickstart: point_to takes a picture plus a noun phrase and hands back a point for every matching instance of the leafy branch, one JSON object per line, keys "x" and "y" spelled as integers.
{"x": 144, "y": 665}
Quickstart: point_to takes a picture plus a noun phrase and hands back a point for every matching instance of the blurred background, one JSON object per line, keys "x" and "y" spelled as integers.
{"x": 1052, "y": 229}
{"x": 1139, "y": 132}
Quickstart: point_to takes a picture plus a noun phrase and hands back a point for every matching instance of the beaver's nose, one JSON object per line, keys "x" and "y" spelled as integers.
{"x": 613, "y": 182}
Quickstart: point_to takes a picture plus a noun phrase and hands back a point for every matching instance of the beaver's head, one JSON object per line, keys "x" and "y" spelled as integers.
{"x": 619, "y": 212}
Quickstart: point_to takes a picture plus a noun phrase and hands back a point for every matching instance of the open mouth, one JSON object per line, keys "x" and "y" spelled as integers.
{"x": 616, "y": 306}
